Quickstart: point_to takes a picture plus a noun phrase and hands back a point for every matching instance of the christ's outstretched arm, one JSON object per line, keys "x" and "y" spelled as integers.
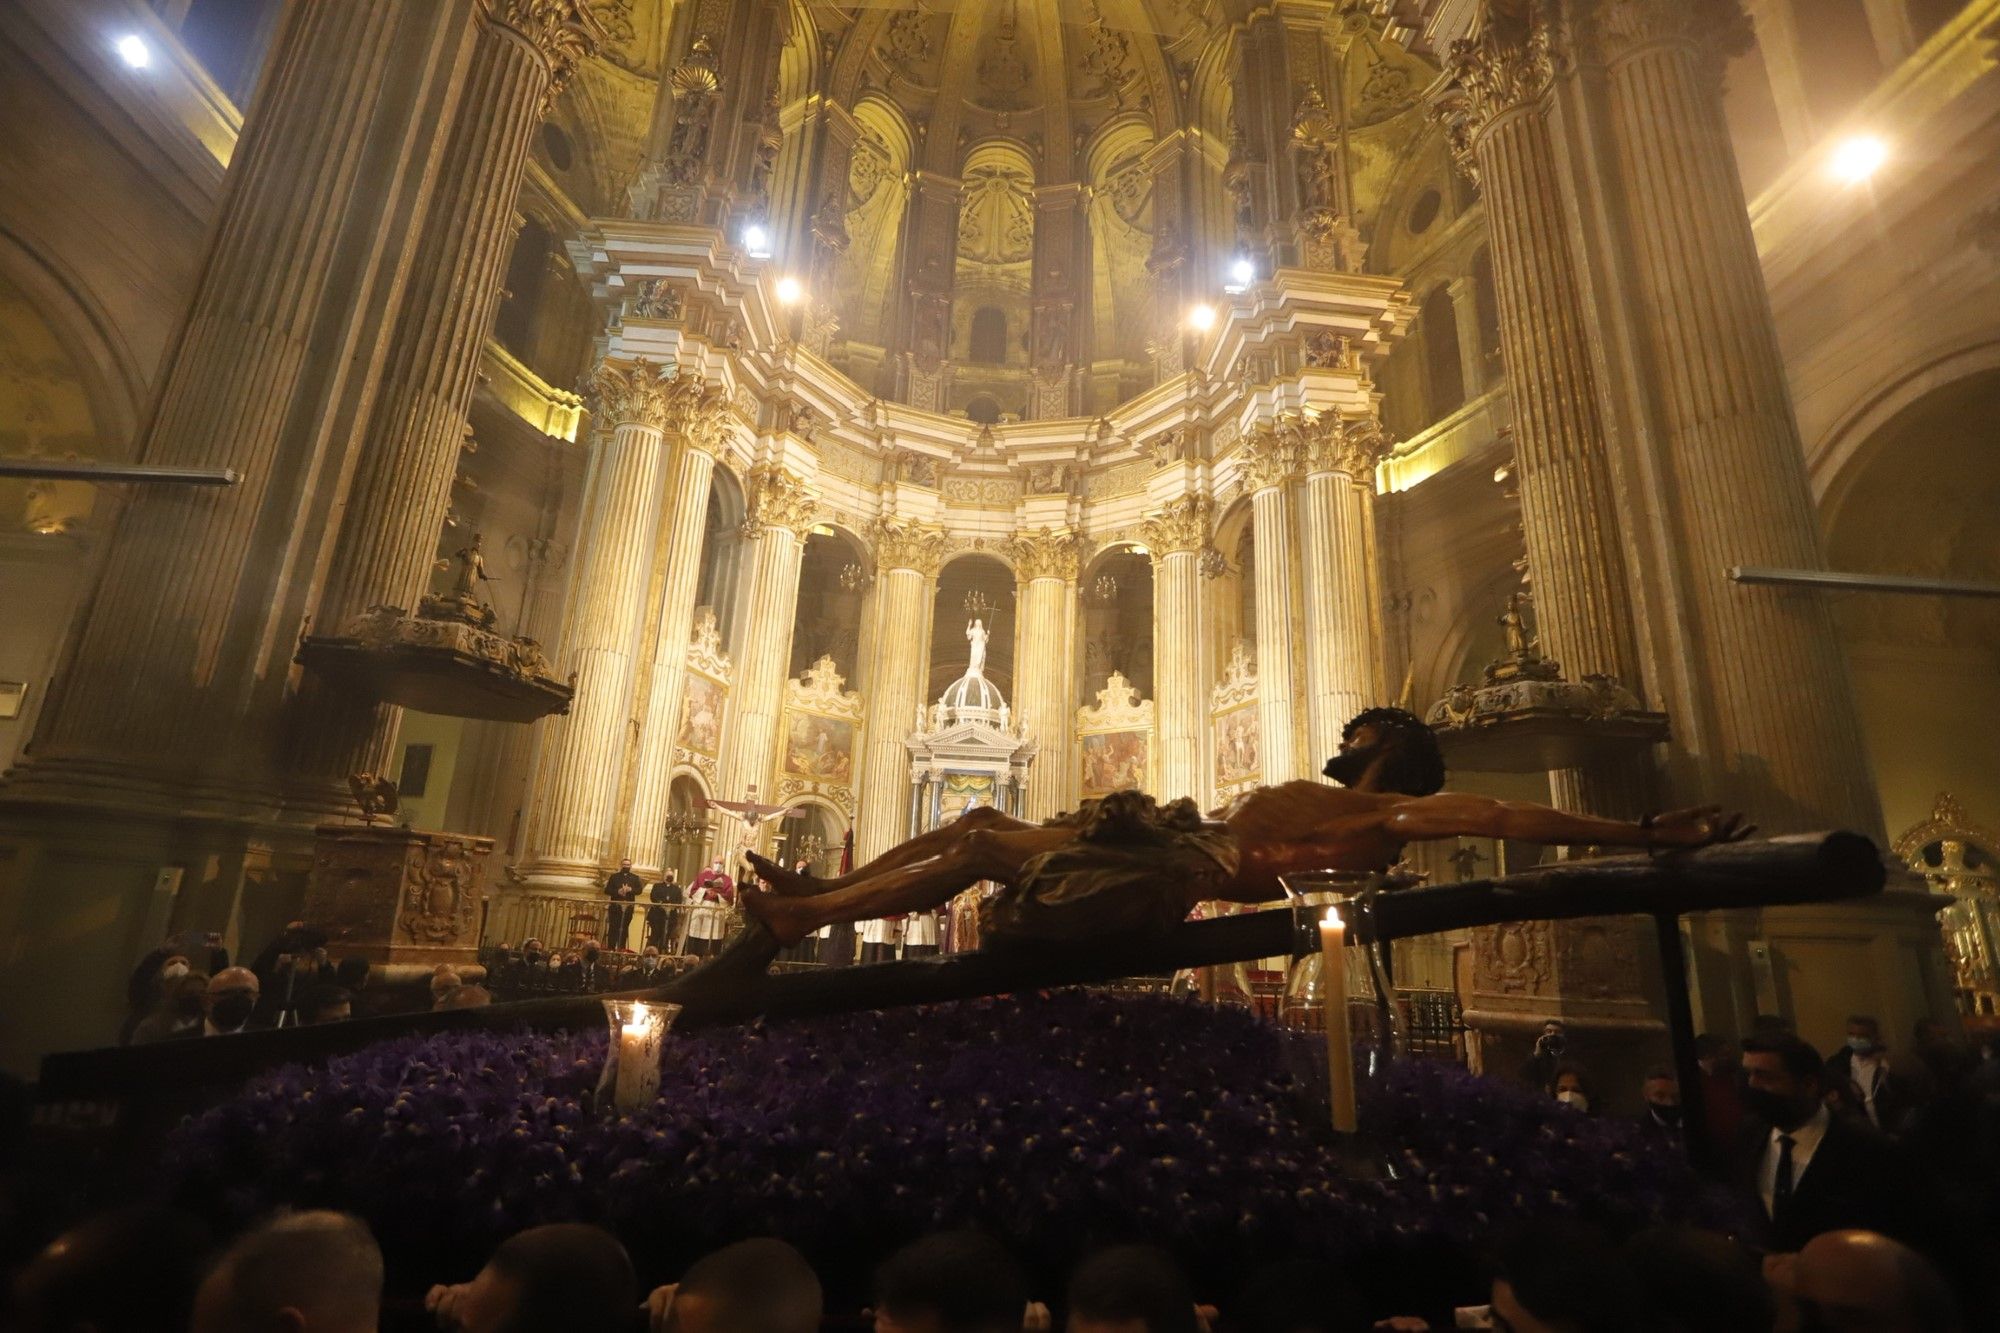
{"x": 1455, "y": 815}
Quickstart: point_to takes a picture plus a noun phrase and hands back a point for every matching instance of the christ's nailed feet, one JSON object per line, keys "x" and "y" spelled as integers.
{"x": 783, "y": 917}
{"x": 788, "y": 882}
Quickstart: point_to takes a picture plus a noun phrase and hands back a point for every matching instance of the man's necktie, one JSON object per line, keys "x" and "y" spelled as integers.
{"x": 1781, "y": 1186}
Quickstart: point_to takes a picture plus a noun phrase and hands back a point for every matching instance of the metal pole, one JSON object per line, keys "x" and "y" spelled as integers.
{"x": 1680, "y": 1026}
{"x": 84, "y": 470}
{"x": 1835, "y": 579}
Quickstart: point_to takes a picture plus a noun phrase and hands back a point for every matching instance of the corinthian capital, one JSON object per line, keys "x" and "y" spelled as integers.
{"x": 778, "y": 499}
{"x": 699, "y": 410}
{"x": 1713, "y": 29}
{"x": 1510, "y": 64}
{"x": 1045, "y": 554}
{"x": 1272, "y": 453}
{"x": 904, "y": 544}
{"x": 631, "y": 393}
{"x": 1181, "y": 526}
{"x": 564, "y": 32}
{"x": 1351, "y": 448}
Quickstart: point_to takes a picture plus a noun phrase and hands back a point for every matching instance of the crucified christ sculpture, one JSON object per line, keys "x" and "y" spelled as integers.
{"x": 1125, "y": 864}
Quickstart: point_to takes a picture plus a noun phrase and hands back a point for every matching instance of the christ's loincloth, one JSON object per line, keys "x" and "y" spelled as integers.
{"x": 1134, "y": 868}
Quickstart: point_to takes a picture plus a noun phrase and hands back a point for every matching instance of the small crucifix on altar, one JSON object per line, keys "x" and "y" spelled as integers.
{"x": 750, "y": 813}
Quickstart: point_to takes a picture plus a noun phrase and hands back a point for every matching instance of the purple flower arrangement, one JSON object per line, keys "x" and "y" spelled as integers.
{"x": 1057, "y": 1121}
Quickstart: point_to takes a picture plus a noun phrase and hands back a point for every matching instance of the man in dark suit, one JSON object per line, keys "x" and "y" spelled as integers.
{"x": 1813, "y": 1171}
{"x": 623, "y": 890}
{"x": 661, "y": 926}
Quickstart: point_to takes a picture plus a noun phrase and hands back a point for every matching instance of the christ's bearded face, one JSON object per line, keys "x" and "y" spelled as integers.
{"x": 1357, "y": 752}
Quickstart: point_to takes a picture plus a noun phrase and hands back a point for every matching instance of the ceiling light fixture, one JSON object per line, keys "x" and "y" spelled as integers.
{"x": 132, "y": 49}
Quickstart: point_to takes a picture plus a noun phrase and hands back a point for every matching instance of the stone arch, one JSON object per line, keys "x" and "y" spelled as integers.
{"x": 1444, "y": 364}
{"x": 69, "y": 388}
{"x": 828, "y": 617}
{"x": 1926, "y": 669}
{"x": 1232, "y": 596}
{"x": 878, "y": 180}
{"x": 991, "y": 576}
{"x": 1121, "y": 223}
{"x": 1118, "y": 624}
{"x": 720, "y": 583}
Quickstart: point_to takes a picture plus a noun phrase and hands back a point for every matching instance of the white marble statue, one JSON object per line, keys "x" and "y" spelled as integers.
{"x": 975, "y": 634}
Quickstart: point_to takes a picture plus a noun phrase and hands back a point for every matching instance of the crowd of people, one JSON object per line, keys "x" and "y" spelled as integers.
{"x": 152, "y": 1270}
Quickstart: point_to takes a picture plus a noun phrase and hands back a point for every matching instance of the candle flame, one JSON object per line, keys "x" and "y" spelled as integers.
{"x": 1332, "y": 918}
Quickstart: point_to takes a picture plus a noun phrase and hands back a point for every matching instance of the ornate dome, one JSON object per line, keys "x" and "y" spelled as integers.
{"x": 972, "y": 698}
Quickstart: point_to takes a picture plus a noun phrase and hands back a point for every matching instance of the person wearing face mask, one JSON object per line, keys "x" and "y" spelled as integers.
{"x": 232, "y": 999}
{"x": 182, "y": 1008}
{"x": 1662, "y": 1117}
{"x": 1859, "y": 1073}
{"x": 1811, "y": 1170}
{"x": 1572, "y": 1089}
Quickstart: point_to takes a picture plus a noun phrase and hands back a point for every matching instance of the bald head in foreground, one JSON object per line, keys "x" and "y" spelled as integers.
{"x": 1851, "y": 1281}
{"x": 317, "y": 1272}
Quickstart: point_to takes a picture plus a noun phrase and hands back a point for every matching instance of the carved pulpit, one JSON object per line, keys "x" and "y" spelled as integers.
{"x": 397, "y": 894}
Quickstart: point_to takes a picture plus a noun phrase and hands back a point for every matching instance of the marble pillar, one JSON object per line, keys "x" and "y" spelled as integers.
{"x": 1270, "y": 466}
{"x": 908, "y": 555}
{"x": 1569, "y": 514}
{"x": 1779, "y": 724}
{"x": 781, "y": 511}
{"x": 396, "y": 503}
{"x": 1176, "y": 537}
{"x": 581, "y": 757}
{"x": 170, "y": 694}
{"x": 1340, "y": 578}
{"x": 680, "y": 547}
{"x": 1045, "y": 662}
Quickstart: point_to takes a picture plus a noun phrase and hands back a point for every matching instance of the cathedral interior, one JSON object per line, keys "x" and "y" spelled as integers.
{"x": 575, "y": 412}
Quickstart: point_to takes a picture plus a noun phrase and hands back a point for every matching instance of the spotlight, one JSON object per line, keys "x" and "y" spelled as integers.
{"x": 1858, "y": 157}
{"x": 133, "y": 50}
{"x": 789, "y": 291}
{"x": 1242, "y": 272}
{"x": 1201, "y": 318}
{"x": 757, "y": 240}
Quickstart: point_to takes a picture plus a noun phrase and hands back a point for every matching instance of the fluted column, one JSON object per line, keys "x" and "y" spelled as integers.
{"x": 402, "y": 482}
{"x": 180, "y": 663}
{"x": 1271, "y": 463}
{"x": 680, "y": 546}
{"x": 581, "y": 754}
{"x": 1785, "y": 738}
{"x": 1045, "y": 661}
{"x": 1568, "y": 509}
{"x": 1342, "y": 585}
{"x": 1176, "y": 537}
{"x": 780, "y": 513}
{"x": 907, "y": 558}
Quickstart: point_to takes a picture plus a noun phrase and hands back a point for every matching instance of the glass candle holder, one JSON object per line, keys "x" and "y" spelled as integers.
{"x": 632, "y": 1060}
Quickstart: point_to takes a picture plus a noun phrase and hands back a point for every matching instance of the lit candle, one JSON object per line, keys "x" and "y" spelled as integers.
{"x": 1339, "y": 1041}
{"x": 638, "y": 1058}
